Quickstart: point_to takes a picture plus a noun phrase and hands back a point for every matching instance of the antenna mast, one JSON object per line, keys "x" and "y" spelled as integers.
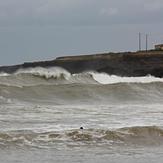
{"x": 146, "y": 40}
{"x": 139, "y": 41}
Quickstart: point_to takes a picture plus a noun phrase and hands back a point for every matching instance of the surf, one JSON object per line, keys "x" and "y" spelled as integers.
{"x": 44, "y": 84}
{"x": 136, "y": 135}
{"x": 58, "y": 75}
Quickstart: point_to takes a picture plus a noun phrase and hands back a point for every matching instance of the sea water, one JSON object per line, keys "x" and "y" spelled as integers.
{"x": 42, "y": 112}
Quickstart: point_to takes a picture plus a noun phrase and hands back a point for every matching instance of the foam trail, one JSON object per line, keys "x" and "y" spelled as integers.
{"x": 104, "y": 78}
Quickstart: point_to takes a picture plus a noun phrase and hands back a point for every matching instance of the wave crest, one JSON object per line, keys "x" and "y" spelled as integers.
{"x": 104, "y": 78}
{"x": 47, "y": 73}
{"x": 57, "y": 75}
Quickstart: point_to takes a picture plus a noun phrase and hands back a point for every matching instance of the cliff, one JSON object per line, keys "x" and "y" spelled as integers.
{"x": 122, "y": 64}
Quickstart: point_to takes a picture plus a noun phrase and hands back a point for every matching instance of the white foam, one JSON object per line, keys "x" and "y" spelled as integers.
{"x": 6, "y": 100}
{"x": 55, "y": 72}
{"x": 104, "y": 78}
{"x": 4, "y": 74}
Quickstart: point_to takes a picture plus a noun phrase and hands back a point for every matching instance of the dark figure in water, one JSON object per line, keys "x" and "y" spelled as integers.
{"x": 81, "y": 128}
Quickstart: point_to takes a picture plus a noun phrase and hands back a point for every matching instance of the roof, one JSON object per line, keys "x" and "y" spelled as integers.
{"x": 159, "y": 45}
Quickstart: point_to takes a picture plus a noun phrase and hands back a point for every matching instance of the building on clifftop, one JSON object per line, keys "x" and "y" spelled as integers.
{"x": 159, "y": 47}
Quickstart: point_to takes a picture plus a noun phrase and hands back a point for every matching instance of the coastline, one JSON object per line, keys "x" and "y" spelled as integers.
{"x": 122, "y": 64}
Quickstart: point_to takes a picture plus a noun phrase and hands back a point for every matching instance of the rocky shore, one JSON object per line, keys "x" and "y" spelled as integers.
{"x": 123, "y": 64}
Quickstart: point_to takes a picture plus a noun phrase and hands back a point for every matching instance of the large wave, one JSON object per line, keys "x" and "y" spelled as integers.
{"x": 58, "y": 86}
{"x": 57, "y": 75}
{"x": 44, "y": 76}
{"x": 47, "y": 73}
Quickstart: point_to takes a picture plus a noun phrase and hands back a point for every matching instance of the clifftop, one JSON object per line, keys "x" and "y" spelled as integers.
{"x": 123, "y": 63}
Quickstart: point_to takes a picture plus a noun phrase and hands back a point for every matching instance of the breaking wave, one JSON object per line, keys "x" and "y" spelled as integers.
{"x": 104, "y": 78}
{"x": 141, "y": 135}
{"x": 46, "y": 73}
{"x": 56, "y": 85}
{"x": 45, "y": 76}
{"x": 57, "y": 75}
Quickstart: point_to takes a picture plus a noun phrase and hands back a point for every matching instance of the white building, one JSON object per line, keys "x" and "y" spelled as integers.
{"x": 159, "y": 47}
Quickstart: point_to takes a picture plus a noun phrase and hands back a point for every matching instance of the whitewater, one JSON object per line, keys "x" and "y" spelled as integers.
{"x": 50, "y": 115}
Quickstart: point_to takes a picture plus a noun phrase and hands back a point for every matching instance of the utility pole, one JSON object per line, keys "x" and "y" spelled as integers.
{"x": 139, "y": 41}
{"x": 146, "y": 40}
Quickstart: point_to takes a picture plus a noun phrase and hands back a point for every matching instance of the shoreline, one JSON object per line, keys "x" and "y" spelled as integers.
{"x": 140, "y": 63}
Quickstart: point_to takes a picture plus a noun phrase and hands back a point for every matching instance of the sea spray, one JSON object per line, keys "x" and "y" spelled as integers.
{"x": 55, "y": 72}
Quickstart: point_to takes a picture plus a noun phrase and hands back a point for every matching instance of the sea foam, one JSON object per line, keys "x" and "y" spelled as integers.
{"x": 104, "y": 78}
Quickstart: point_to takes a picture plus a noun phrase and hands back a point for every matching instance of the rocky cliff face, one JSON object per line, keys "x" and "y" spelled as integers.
{"x": 122, "y": 64}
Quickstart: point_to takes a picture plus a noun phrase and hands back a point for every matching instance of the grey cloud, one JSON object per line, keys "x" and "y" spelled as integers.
{"x": 82, "y": 12}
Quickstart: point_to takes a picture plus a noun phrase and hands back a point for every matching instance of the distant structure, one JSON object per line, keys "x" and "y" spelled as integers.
{"x": 159, "y": 47}
{"x": 139, "y": 41}
{"x": 146, "y": 42}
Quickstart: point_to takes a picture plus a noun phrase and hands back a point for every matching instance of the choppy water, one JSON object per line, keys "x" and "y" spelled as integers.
{"x": 42, "y": 110}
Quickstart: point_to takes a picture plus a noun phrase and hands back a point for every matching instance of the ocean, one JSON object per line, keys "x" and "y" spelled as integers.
{"x": 48, "y": 115}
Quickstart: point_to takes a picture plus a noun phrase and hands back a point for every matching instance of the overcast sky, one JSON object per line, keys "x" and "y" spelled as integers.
{"x": 45, "y": 29}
